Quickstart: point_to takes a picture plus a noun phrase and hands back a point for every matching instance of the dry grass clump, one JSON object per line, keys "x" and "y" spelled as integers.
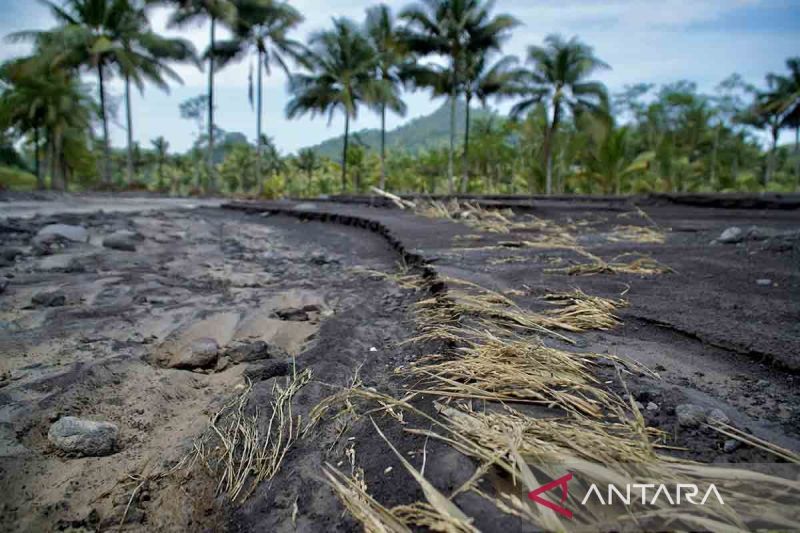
{"x": 640, "y": 234}
{"x": 640, "y": 266}
{"x": 240, "y": 453}
{"x": 584, "y": 312}
{"x": 493, "y": 369}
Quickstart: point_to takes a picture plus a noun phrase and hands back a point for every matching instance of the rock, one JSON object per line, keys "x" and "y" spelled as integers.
{"x": 64, "y": 231}
{"x": 200, "y": 353}
{"x": 652, "y": 407}
{"x": 10, "y": 254}
{"x": 689, "y": 415}
{"x": 763, "y": 282}
{"x": 83, "y": 437}
{"x": 222, "y": 363}
{"x": 55, "y": 298}
{"x": 298, "y": 314}
{"x": 242, "y": 352}
{"x": 268, "y": 369}
{"x": 731, "y": 235}
{"x": 121, "y": 240}
{"x": 731, "y": 445}
{"x": 716, "y": 415}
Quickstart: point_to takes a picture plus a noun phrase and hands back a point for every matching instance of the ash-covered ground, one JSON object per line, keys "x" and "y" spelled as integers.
{"x": 151, "y": 315}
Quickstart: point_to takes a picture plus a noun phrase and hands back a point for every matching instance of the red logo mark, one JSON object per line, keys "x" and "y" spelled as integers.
{"x": 560, "y": 482}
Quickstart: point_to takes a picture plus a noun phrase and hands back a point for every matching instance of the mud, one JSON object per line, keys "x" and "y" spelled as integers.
{"x": 310, "y": 278}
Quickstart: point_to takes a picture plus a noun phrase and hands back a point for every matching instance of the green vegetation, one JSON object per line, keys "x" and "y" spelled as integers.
{"x": 565, "y": 132}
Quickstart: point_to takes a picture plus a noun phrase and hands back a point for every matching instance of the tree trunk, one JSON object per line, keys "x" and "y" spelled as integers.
{"x": 714, "y": 152}
{"x": 258, "y": 126}
{"x": 383, "y": 147}
{"x": 106, "y": 150}
{"x": 797, "y": 155}
{"x": 465, "y": 160}
{"x": 39, "y": 177}
{"x": 129, "y": 125}
{"x": 344, "y": 152}
{"x": 549, "y": 141}
{"x": 771, "y": 156}
{"x": 210, "y": 152}
{"x": 450, "y": 184}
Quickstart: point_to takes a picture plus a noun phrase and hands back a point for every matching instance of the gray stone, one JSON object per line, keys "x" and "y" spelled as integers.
{"x": 731, "y": 235}
{"x": 65, "y": 231}
{"x": 689, "y": 415}
{"x": 716, "y": 415}
{"x": 83, "y": 437}
{"x": 763, "y": 282}
{"x": 222, "y": 363}
{"x": 731, "y": 445}
{"x": 268, "y": 369}
{"x": 242, "y": 352}
{"x": 121, "y": 240}
{"x": 55, "y": 298}
{"x": 652, "y": 407}
{"x": 200, "y": 353}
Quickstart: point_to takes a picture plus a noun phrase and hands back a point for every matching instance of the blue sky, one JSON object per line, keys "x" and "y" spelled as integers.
{"x": 654, "y": 41}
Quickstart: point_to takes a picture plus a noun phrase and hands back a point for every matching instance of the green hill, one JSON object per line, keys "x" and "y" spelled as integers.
{"x": 422, "y": 133}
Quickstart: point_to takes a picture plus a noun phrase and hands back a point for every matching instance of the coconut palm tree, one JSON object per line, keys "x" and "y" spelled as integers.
{"x": 89, "y": 36}
{"x": 454, "y": 29}
{"x": 393, "y": 59}
{"x": 558, "y": 77}
{"x": 190, "y": 12}
{"x": 263, "y": 26}
{"x": 42, "y": 98}
{"x": 307, "y": 161}
{"x": 148, "y": 53}
{"x": 485, "y": 81}
{"x": 784, "y": 100}
{"x": 341, "y": 65}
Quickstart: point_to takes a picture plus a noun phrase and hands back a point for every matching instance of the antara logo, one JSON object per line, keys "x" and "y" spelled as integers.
{"x": 644, "y": 493}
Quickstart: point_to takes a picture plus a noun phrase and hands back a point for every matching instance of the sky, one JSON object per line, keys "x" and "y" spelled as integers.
{"x": 652, "y": 41}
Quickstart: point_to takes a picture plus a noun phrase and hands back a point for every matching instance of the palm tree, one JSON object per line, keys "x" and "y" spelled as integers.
{"x": 307, "y": 161}
{"x": 192, "y": 11}
{"x": 387, "y": 40}
{"x": 607, "y": 159}
{"x": 485, "y": 81}
{"x": 784, "y": 100}
{"x": 161, "y": 147}
{"x": 341, "y": 63}
{"x": 148, "y": 53}
{"x": 263, "y": 25}
{"x": 43, "y": 98}
{"x": 558, "y": 77}
{"x": 454, "y": 29}
{"x": 89, "y": 35}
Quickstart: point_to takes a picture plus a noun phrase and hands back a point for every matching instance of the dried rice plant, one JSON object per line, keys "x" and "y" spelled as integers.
{"x": 640, "y": 234}
{"x": 585, "y": 312}
{"x": 352, "y": 492}
{"x": 641, "y": 266}
{"x": 493, "y": 369}
{"x": 240, "y": 453}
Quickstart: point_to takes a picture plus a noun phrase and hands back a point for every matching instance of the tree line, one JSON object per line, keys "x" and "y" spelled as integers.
{"x": 565, "y": 132}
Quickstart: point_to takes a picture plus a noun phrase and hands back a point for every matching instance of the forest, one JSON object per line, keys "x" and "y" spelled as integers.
{"x": 565, "y": 133}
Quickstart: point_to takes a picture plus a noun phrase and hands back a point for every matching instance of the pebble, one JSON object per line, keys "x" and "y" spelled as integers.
{"x": 71, "y": 233}
{"x": 716, "y": 415}
{"x": 200, "y": 353}
{"x": 55, "y": 298}
{"x": 83, "y": 437}
{"x": 121, "y": 240}
{"x": 689, "y": 415}
{"x": 731, "y": 445}
{"x": 731, "y": 235}
{"x": 763, "y": 282}
{"x": 652, "y": 406}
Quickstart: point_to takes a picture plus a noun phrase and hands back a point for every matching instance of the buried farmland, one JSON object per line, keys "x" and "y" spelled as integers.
{"x": 267, "y": 372}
